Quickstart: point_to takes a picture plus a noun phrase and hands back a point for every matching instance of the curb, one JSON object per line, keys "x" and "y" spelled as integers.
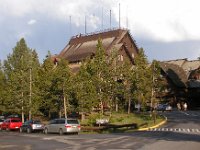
{"x": 155, "y": 126}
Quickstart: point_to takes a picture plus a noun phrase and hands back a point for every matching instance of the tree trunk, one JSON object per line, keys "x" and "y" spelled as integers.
{"x": 102, "y": 111}
{"x": 82, "y": 116}
{"x": 60, "y": 113}
{"x": 49, "y": 115}
{"x": 65, "y": 109}
{"x": 116, "y": 107}
{"x": 30, "y": 94}
{"x": 129, "y": 106}
{"x": 22, "y": 94}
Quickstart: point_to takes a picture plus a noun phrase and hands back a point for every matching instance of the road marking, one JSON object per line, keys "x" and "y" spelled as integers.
{"x": 175, "y": 130}
{"x": 190, "y": 113}
{"x": 47, "y": 138}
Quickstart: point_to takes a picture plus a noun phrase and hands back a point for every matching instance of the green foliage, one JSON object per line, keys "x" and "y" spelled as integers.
{"x": 102, "y": 80}
{"x": 95, "y": 81}
{"x": 3, "y": 89}
{"x": 85, "y": 89}
{"x": 16, "y": 69}
{"x": 92, "y": 119}
{"x": 141, "y": 79}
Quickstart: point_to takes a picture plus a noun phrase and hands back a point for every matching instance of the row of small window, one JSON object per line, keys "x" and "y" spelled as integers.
{"x": 121, "y": 57}
{"x": 63, "y": 121}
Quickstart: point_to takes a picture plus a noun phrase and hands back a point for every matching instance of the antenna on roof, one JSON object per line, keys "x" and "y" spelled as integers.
{"x": 119, "y": 15}
{"x": 85, "y": 25}
{"x": 127, "y": 17}
{"x": 102, "y": 19}
{"x": 110, "y": 18}
{"x": 79, "y": 22}
{"x": 70, "y": 23}
{"x": 127, "y": 22}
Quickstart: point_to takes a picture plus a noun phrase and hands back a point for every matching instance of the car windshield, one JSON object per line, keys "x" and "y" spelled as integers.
{"x": 15, "y": 120}
{"x": 72, "y": 121}
{"x": 36, "y": 122}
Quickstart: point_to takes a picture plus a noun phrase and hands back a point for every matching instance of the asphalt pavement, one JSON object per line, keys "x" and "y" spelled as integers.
{"x": 182, "y": 131}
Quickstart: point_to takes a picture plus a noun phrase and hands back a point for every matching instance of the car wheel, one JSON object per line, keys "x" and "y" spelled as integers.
{"x": 45, "y": 131}
{"x": 28, "y": 130}
{"x": 61, "y": 132}
{"x": 20, "y": 130}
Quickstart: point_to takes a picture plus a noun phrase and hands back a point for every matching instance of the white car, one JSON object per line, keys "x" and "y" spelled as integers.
{"x": 62, "y": 126}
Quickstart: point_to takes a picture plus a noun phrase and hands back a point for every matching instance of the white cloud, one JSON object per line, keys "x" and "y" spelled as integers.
{"x": 171, "y": 20}
{"x": 54, "y": 9}
{"x": 31, "y": 22}
{"x": 163, "y": 21}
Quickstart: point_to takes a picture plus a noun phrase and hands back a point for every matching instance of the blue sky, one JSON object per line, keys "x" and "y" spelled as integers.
{"x": 166, "y": 30}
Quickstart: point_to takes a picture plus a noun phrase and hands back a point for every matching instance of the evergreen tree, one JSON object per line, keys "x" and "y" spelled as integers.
{"x": 157, "y": 85}
{"x": 85, "y": 89}
{"x": 17, "y": 70}
{"x": 3, "y": 89}
{"x": 46, "y": 75}
{"x": 61, "y": 86}
{"x": 127, "y": 74}
{"x": 34, "y": 101}
{"x": 141, "y": 79}
{"x": 102, "y": 75}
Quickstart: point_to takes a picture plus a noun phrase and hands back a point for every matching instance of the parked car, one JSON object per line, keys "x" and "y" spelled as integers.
{"x": 62, "y": 126}
{"x": 1, "y": 121}
{"x": 11, "y": 124}
{"x": 31, "y": 126}
{"x": 164, "y": 107}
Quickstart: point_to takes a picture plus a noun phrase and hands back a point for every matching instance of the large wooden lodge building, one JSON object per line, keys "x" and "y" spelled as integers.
{"x": 82, "y": 46}
{"x": 182, "y": 77}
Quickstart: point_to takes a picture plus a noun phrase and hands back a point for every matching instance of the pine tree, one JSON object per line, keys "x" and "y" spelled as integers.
{"x": 127, "y": 74}
{"x": 102, "y": 75}
{"x": 61, "y": 86}
{"x": 141, "y": 79}
{"x": 157, "y": 85}
{"x": 17, "y": 69}
{"x": 3, "y": 89}
{"x": 46, "y": 75}
{"x": 85, "y": 89}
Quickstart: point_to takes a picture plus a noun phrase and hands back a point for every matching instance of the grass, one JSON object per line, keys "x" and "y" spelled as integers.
{"x": 141, "y": 119}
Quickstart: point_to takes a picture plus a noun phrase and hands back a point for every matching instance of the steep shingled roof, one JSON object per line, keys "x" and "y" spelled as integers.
{"x": 82, "y": 46}
{"x": 179, "y": 71}
{"x": 175, "y": 73}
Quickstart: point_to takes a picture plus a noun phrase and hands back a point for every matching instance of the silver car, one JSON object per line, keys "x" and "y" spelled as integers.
{"x": 62, "y": 126}
{"x": 31, "y": 126}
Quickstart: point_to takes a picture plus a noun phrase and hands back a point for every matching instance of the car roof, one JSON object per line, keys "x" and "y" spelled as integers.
{"x": 14, "y": 118}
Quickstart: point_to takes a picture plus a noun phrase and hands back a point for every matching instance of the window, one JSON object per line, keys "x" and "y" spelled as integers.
{"x": 36, "y": 122}
{"x": 120, "y": 57}
{"x": 72, "y": 121}
{"x": 132, "y": 55}
{"x": 15, "y": 120}
{"x": 61, "y": 121}
{"x": 52, "y": 122}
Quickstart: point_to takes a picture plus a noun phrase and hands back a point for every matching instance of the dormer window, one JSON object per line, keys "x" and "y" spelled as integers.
{"x": 120, "y": 57}
{"x": 132, "y": 55}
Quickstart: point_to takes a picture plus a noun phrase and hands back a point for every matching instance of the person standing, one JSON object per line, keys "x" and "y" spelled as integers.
{"x": 185, "y": 106}
{"x": 179, "y": 106}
